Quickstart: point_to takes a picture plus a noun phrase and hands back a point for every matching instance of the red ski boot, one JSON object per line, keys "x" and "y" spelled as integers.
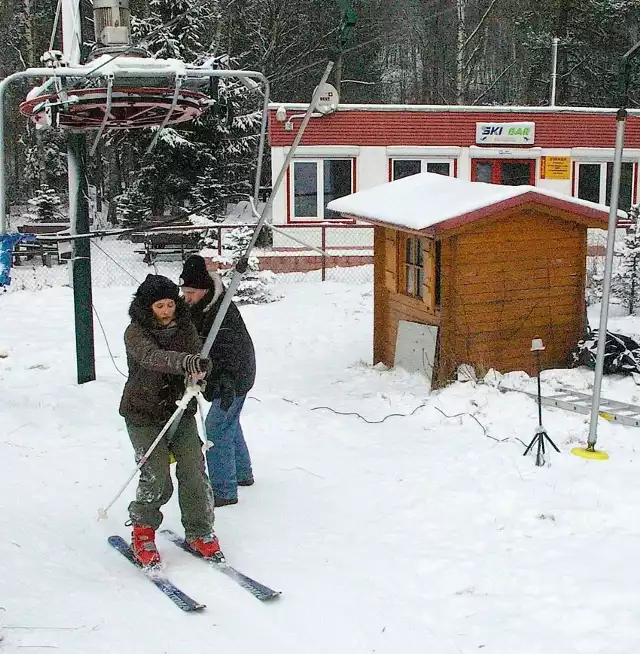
{"x": 144, "y": 546}
{"x": 208, "y": 547}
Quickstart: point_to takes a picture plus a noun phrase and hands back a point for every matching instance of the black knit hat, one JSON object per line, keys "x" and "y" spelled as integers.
{"x": 195, "y": 273}
{"x": 154, "y": 288}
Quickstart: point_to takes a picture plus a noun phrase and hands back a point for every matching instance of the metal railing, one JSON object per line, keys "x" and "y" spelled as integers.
{"x": 346, "y": 256}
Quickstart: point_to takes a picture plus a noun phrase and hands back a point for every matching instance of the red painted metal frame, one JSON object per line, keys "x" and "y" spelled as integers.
{"x": 131, "y": 108}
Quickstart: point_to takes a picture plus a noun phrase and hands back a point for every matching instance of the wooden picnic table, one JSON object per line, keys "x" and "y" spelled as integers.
{"x": 46, "y": 250}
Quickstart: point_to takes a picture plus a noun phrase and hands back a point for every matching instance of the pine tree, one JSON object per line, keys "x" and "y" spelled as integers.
{"x": 255, "y": 286}
{"x": 625, "y": 281}
{"x": 210, "y": 161}
{"x": 46, "y": 158}
{"x": 47, "y": 206}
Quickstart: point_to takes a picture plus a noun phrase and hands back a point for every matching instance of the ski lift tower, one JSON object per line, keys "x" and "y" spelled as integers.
{"x": 120, "y": 87}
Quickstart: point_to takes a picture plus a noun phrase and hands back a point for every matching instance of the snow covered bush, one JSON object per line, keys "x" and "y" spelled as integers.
{"x": 625, "y": 280}
{"x": 595, "y": 276}
{"x": 255, "y": 287}
{"x": 46, "y": 206}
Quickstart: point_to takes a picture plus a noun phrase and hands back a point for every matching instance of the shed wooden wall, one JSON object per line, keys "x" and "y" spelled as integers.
{"x": 390, "y": 306}
{"x": 504, "y": 281}
{"x": 511, "y": 280}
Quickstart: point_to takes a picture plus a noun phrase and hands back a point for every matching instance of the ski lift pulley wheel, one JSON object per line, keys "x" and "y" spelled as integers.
{"x": 131, "y": 108}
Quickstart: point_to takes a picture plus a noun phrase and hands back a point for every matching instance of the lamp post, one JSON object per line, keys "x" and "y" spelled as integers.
{"x": 589, "y": 451}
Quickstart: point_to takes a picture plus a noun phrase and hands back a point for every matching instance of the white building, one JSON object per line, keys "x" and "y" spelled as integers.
{"x": 564, "y": 149}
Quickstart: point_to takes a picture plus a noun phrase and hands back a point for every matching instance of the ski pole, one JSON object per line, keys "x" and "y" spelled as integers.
{"x": 193, "y": 390}
{"x": 243, "y": 263}
{"x": 177, "y": 415}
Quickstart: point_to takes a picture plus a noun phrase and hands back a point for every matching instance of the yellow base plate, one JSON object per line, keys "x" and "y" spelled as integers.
{"x": 590, "y": 454}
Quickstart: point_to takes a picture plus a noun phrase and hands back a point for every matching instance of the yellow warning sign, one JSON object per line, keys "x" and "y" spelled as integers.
{"x": 555, "y": 168}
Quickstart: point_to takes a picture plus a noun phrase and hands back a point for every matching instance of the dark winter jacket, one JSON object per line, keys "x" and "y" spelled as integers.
{"x": 232, "y": 354}
{"x": 155, "y": 356}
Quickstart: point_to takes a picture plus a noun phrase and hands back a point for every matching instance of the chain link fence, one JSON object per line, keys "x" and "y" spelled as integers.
{"x": 294, "y": 253}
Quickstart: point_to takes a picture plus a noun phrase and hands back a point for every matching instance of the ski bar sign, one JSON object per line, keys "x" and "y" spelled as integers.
{"x": 505, "y": 133}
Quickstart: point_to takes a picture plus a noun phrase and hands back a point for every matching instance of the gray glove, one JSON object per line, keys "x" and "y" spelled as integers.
{"x": 194, "y": 364}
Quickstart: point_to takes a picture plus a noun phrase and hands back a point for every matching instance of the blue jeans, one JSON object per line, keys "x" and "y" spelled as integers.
{"x": 228, "y": 459}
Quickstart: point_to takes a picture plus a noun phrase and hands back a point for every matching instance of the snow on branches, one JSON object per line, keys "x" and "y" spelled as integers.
{"x": 256, "y": 285}
{"x": 625, "y": 280}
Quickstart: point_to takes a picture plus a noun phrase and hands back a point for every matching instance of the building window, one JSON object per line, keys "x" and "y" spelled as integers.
{"x": 594, "y": 183}
{"x": 315, "y": 183}
{"x": 499, "y": 171}
{"x": 405, "y": 167}
{"x": 413, "y": 267}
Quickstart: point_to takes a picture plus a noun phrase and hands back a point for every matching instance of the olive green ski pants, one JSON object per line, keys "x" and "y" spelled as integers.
{"x": 155, "y": 486}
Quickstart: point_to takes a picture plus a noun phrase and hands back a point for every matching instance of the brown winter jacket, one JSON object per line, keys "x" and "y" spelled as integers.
{"x": 155, "y": 360}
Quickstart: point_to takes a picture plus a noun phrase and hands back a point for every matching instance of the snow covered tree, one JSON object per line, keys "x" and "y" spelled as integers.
{"x": 46, "y": 158}
{"x": 256, "y": 285}
{"x": 47, "y": 206}
{"x": 210, "y": 161}
{"x": 625, "y": 281}
{"x": 134, "y": 205}
{"x": 160, "y": 179}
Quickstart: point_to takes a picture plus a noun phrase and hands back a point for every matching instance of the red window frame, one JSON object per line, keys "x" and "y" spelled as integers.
{"x": 310, "y": 221}
{"x": 496, "y": 172}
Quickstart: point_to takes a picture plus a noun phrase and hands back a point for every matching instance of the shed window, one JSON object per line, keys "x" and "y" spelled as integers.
{"x": 594, "y": 183}
{"x": 405, "y": 167}
{"x": 414, "y": 267}
{"x": 438, "y": 272}
{"x": 315, "y": 183}
{"x": 419, "y": 269}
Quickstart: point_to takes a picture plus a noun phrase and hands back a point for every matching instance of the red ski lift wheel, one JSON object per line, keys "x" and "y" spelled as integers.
{"x": 128, "y": 108}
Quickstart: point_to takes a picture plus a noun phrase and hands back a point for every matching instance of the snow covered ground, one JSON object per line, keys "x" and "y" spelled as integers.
{"x": 409, "y": 534}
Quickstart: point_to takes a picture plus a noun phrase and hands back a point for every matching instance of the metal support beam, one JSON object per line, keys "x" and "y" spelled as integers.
{"x": 78, "y": 193}
{"x": 147, "y": 72}
{"x": 81, "y": 261}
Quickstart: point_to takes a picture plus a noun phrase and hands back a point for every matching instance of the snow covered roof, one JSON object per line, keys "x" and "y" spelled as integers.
{"x": 425, "y": 200}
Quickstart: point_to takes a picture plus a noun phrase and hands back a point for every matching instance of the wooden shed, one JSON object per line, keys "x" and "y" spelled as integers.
{"x": 491, "y": 266}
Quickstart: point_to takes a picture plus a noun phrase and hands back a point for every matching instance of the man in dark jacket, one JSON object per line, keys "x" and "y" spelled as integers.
{"x": 232, "y": 377}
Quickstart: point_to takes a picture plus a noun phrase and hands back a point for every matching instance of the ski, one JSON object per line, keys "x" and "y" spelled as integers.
{"x": 258, "y": 590}
{"x": 179, "y": 598}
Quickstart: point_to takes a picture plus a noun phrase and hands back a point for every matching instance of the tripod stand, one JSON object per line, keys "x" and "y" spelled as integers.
{"x": 541, "y": 433}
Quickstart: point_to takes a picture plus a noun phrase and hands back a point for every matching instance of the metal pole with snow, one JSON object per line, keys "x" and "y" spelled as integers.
{"x": 79, "y": 212}
{"x": 239, "y": 270}
{"x": 589, "y": 452}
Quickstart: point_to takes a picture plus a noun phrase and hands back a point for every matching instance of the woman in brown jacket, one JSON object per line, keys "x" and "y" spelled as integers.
{"x": 162, "y": 348}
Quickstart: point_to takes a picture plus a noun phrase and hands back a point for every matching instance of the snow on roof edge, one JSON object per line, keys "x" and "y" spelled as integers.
{"x": 403, "y": 202}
